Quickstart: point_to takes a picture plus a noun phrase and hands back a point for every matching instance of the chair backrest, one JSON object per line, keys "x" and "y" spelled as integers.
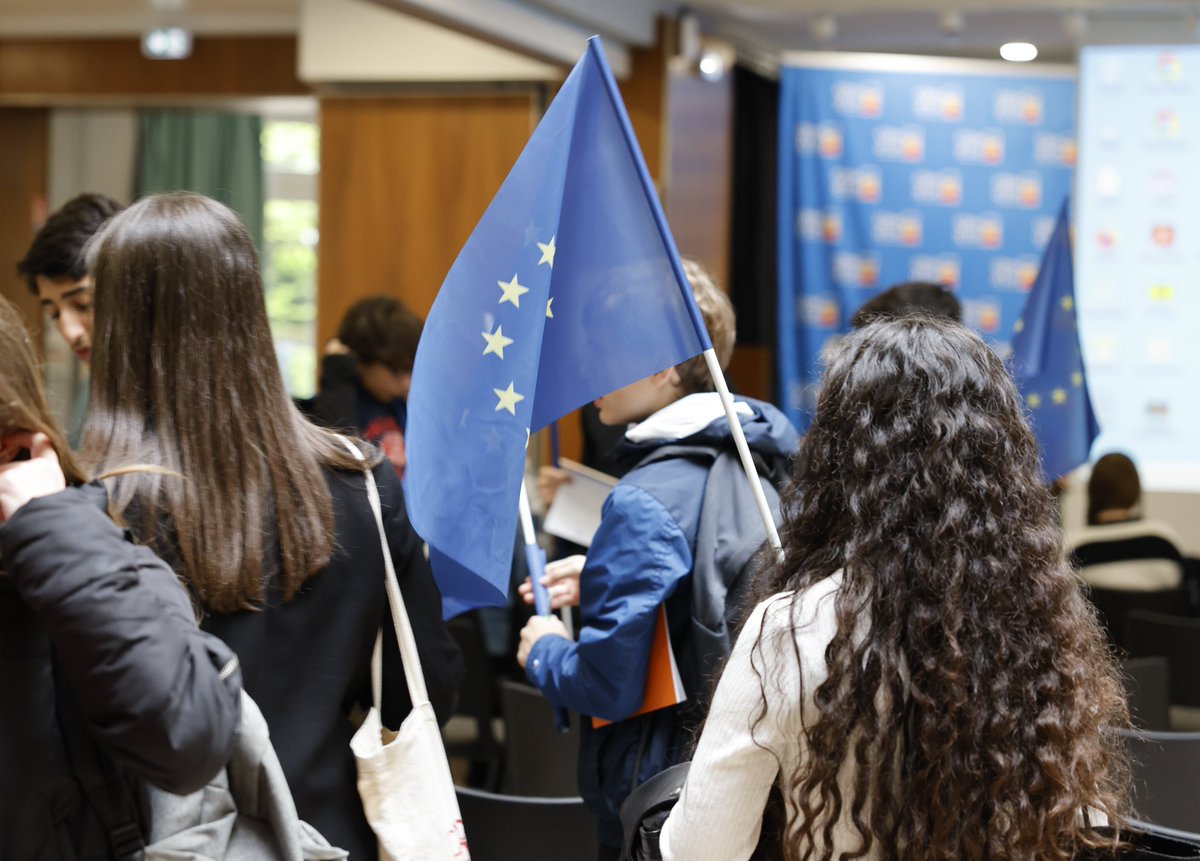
{"x": 1115, "y": 605}
{"x": 539, "y": 760}
{"x": 508, "y": 827}
{"x": 1166, "y": 777}
{"x": 477, "y": 693}
{"x": 1148, "y": 690}
{"x": 1175, "y": 638}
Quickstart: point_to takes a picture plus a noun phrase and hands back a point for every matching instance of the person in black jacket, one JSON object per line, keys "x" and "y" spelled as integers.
{"x": 270, "y": 528}
{"x": 366, "y": 373}
{"x": 80, "y": 602}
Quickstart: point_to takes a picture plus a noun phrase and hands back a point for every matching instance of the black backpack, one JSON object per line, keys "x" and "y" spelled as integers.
{"x": 730, "y": 543}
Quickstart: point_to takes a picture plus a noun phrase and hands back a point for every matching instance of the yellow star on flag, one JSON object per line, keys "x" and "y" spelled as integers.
{"x": 508, "y": 399}
{"x": 496, "y": 342}
{"x": 549, "y": 310}
{"x": 547, "y": 249}
{"x": 1019, "y": 327}
{"x": 1059, "y": 396}
{"x": 1034, "y": 400}
{"x": 1067, "y": 303}
{"x": 512, "y": 292}
{"x": 1077, "y": 379}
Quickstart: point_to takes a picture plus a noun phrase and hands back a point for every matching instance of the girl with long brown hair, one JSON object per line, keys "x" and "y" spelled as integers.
{"x": 270, "y": 527}
{"x": 93, "y": 627}
{"x": 922, "y": 678}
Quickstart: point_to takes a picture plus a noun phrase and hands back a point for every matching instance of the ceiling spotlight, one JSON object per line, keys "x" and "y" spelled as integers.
{"x": 1075, "y": 25}
{"x": 823, "y": 28}
{"x": 716, "y": 59}
{"x": 952, "y": 22}
{"x": 711, "y": 66}
{"x": 167, "y": 43}
{"x": 1018, "y": 52}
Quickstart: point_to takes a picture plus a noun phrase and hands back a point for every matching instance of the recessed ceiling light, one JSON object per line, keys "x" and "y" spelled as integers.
{"x": 167, "y": 43}
{"x": 1018, "y": 52}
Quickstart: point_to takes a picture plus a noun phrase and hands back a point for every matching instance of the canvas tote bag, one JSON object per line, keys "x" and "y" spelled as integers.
{"x": 403, "y": 777}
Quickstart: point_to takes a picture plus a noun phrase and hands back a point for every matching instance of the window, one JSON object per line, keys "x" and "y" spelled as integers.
{"x": 291, "y": 162}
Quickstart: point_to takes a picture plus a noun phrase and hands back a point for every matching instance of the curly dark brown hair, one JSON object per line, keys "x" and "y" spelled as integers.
{"x": 969, "y": 682}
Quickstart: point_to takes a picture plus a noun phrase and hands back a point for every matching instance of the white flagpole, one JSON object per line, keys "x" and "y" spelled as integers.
{"x": 535, "y": 570}
{"x": 739, "y": 440}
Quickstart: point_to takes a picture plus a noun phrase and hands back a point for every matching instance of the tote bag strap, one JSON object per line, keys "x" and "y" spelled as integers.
{"x": 417, "y": 691}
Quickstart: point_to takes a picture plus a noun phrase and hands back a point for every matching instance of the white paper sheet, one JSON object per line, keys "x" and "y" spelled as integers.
{"x": 575, "y": 513}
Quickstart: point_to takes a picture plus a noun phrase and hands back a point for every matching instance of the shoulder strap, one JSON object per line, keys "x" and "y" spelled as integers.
{"x": 729, "y": 535}
{"x": 413, "y": 674}
{"x": 106, "y": 793}
{"x": 704, "y": 453}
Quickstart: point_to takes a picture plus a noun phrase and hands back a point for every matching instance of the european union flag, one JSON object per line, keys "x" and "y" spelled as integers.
{"x": 1048, "y": 363}
{"x": 569, "y": 288}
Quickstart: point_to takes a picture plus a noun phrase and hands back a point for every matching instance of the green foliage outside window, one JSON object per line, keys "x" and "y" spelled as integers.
{"x": 289, "y": 254}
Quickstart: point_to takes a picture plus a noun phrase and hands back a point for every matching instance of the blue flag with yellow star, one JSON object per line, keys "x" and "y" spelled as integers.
{"x": 569, "y": 288}
{"x": 1048, "y": 363}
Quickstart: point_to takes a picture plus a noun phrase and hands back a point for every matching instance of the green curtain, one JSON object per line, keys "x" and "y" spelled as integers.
{"x": 210, "y": 152}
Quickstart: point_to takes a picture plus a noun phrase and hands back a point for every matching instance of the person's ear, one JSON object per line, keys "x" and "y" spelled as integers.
{"x": 673, "y": 377}
{"x": 668, "y": 377}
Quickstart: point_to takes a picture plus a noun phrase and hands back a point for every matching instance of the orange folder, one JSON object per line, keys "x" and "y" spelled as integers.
{"x": 664, "y": 687}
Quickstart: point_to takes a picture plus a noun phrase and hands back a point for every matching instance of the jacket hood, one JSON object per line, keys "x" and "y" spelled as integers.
{"x": 699, "y": 419}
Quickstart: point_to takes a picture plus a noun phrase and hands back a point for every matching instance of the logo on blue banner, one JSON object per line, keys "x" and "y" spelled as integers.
{"x": 955, "y": 179}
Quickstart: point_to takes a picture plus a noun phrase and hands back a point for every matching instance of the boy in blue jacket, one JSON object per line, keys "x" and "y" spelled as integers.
{"x": 642, "y": 557}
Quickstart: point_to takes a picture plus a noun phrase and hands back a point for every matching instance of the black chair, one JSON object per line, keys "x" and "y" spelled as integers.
{"x": 1177, "y": 639}
{"x": 539, "y": 760}
{"x": 1166, "y": 777}
{"x": 1148, "y": 690}
{"x": 474, "y": 732}
{"x": 1115, "y": 605}
{"x": 507, "y": 828}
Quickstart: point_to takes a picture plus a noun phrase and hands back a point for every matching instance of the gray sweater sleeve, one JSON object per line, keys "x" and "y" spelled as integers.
{"x": 160, "y": 697}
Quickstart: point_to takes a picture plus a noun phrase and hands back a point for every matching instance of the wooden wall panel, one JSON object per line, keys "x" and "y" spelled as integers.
{"x": 751, "y": 372}
{"x": 24, "y": 135}
{"x": 699, "y": 198}
{"x": 403, "y": 182}
{"x": 40, "y": 71}
{"x": 645, "y": 95}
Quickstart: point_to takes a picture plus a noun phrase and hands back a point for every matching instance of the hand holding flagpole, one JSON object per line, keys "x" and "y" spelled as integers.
{"x": 535, "y": 556}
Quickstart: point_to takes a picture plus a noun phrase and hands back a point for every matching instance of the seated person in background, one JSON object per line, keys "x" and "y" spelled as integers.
{"x": 1119, "y": 549}
{"x": 922, "y": 677}
{"x": 366, "y": 373}
{"x": 643, "y": 557}
{"x": 95, "y": 632}
{"x": 911, "y": 297}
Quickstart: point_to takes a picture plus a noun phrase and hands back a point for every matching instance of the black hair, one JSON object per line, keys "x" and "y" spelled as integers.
{"x": 57, "y": 249}
{"x": 381, "y": 329}
{"x": 911, "y": 297}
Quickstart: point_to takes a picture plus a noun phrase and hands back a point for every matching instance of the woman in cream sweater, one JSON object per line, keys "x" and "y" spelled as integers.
{"x": 921, "y": 677}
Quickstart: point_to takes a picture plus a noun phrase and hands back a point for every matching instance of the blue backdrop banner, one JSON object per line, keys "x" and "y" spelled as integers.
{"x": 912, "y": 169}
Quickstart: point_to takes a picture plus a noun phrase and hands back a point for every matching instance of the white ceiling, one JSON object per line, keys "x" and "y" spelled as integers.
{"x": 1058, "y": 27}
{"x": 126, "y": 17}
{"x": 756, "y": 26}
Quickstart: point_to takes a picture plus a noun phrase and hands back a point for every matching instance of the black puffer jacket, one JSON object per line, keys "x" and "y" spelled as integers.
{"x": 162, "y": 698}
